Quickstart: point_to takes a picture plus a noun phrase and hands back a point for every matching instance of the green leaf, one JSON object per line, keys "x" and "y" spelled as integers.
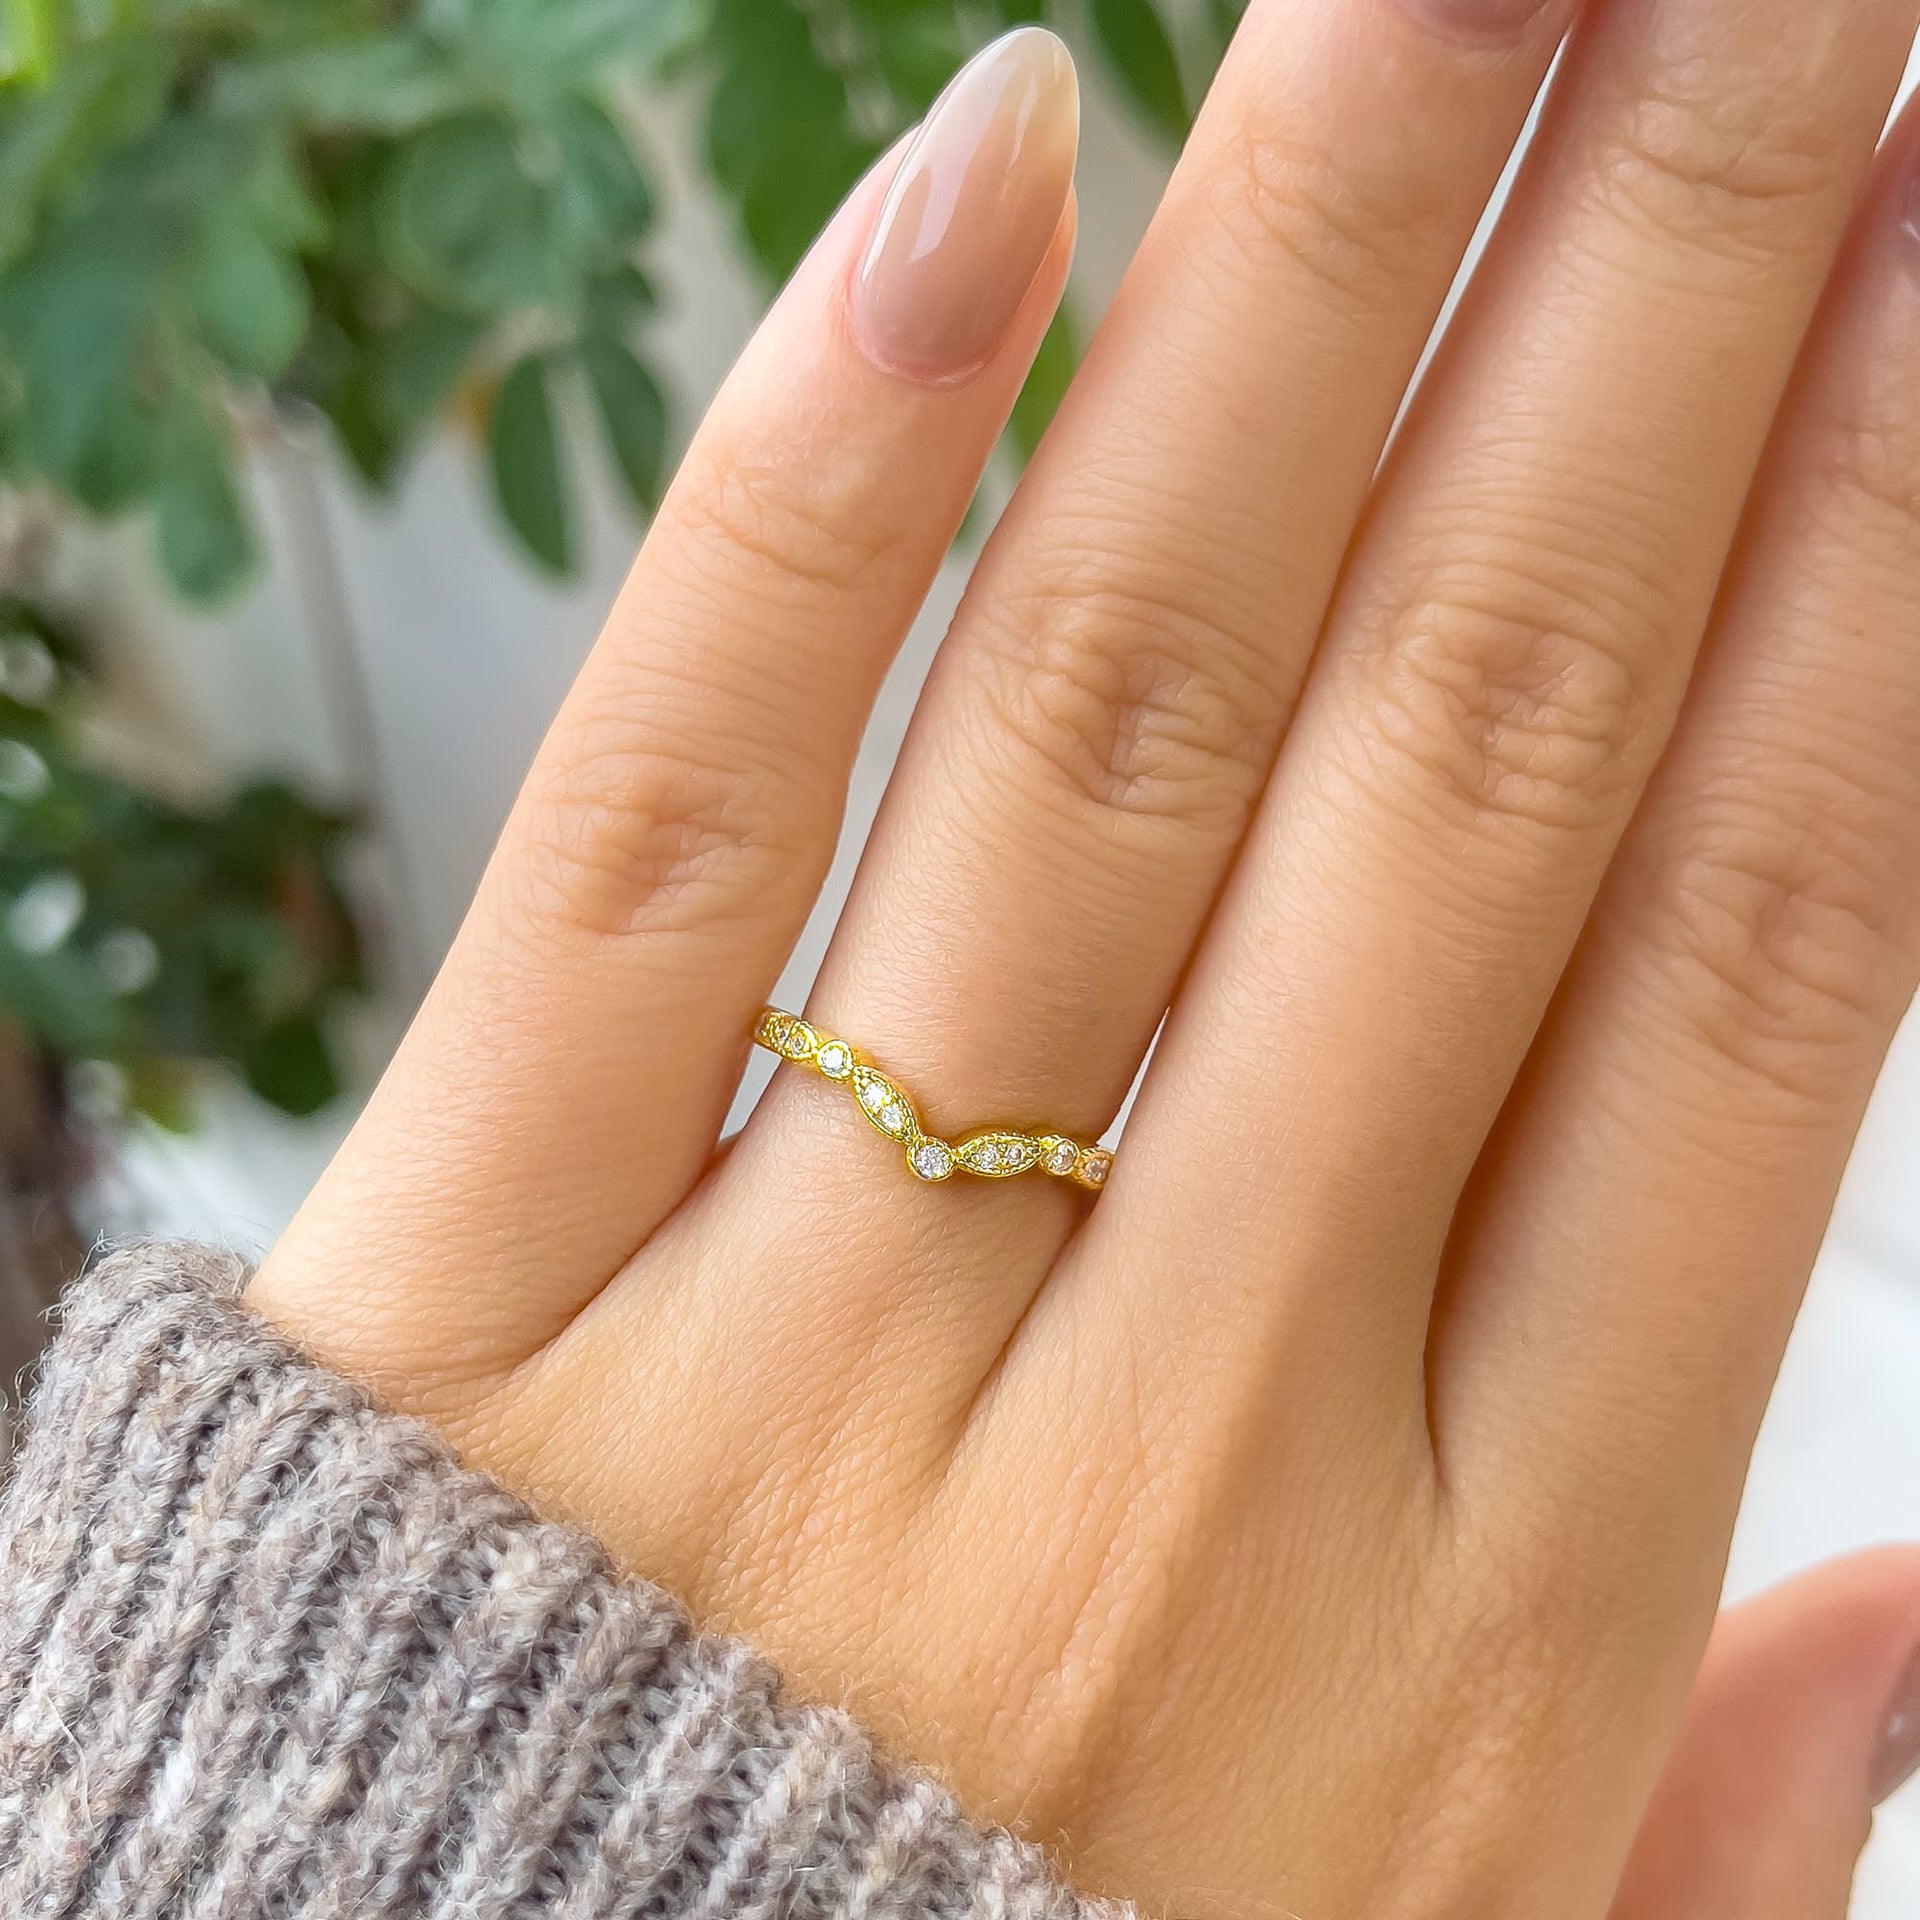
{"x": 414, "y": 368}
{"x": 463, "y": 223}
{"x": 31, "y": 39}
{"x": 1224, "y": 17}
{"x": 363, "y": 436}
{"x": 601, "y": 192}
{"x": 116, "y": 467}
{"x": 633, "y": 411}
{"x": 250, "y": 298}
{"x": 390, "y": 83}
{"x": 62, "y": 1003}
{"x": 107, "y": 93}
{"x": 528, "y": 49}
{"x": 524, "y": 444}
{"x": 187, "y": 164}
{"x": 1046, "y": 384}
{"x": 780, "y": 136}
{"x": 917, "y": 49}
{"x": 280, "y": 203}
{"x": 612, "y": 300}
{"x": 73, "y": 313}
{"x": 1135, "y": 40}
{"x": 205, "y": 541}
{"x": 291, "y": 1065}
{"x": 397, "y": 382}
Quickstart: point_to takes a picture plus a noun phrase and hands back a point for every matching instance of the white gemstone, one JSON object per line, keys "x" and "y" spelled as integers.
{"x": 835, "y": 1060}
{"x": 1095, "y": 1171}
{"x": 893, "y": 1117}
{"x": 874, "y": 1096}
{"x": 1061, "y": 1157}
{"x": 932, "y": 1161}
{"x": 989, "y": 1155}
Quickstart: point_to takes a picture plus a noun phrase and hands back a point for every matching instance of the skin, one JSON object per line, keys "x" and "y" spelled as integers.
{"x": 1525, "y": 835}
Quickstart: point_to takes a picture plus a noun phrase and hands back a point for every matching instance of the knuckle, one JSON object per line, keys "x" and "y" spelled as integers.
{"x": 623, "y": 843}
{"x": 1276, "y": 195}
{"x": 1516, "y": 701}
{"x": 1790, "y": 939}
{"x": 1703, "y": 164}
{"x": 807, "y": 522}
{"x": 1129, "y": 705}
{"x": 1867, "y": 479}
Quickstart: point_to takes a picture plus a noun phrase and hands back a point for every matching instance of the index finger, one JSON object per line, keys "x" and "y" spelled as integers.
{"x": 567, "y": 1078}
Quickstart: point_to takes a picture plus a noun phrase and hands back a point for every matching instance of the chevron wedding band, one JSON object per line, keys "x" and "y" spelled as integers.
{"x": 994, "y": 1153}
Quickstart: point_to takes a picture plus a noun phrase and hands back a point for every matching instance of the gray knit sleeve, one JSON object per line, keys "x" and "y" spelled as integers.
{"x": 266, "y": 1649}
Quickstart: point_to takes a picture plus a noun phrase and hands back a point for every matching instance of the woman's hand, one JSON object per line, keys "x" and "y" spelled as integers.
{"x": 1329, "y": 1520}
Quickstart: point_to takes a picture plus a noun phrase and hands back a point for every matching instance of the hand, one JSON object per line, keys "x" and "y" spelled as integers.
{"x": 1329, "y": 1519}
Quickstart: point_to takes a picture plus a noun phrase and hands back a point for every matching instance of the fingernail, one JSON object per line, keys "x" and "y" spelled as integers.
{"x": 972, "y": 210}
{"x": 1478, "y": 19}
{"x": 1899, "y": 1758}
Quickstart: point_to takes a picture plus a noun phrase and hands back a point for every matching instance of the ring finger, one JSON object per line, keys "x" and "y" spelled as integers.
{"x": 1515, "y": 631}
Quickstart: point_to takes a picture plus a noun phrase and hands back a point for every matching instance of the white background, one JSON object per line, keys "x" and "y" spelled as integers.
{"x": 459, "y": 656}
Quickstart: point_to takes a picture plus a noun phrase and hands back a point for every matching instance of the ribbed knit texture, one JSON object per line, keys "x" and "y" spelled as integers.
{"x": 266, "y": 1649}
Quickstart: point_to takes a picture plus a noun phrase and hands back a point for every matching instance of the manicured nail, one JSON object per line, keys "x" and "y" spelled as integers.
{"x": 1479, "y": 19}
{"x": 972, "y": 210}
{"x": 1899, "y": 1757}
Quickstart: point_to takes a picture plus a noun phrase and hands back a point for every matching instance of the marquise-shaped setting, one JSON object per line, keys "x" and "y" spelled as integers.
{"x": 789, "y": 1037}
{"x": 886, "y": 1106}
{"x": 998, "y": 1155}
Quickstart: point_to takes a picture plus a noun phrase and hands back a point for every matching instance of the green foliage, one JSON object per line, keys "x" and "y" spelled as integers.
{"x": 382, "y": 209}
{"x": 1046, "y": 384}
{"x": 352, "y": 203}
{"x": 377, "y": 206}
{"x": 1135, "y": 39}
{"x": 152, "y": 936}
{"x": 527, "y": 479}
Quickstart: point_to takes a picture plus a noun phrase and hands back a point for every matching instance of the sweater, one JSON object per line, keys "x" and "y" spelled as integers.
{"x": 268, "y": 1649}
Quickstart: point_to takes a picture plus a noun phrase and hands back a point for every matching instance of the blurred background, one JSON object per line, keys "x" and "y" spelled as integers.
{"x": 344, "y": 347}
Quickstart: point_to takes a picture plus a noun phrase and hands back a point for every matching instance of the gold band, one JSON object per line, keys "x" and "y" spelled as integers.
{"x": 997, "y": 1153}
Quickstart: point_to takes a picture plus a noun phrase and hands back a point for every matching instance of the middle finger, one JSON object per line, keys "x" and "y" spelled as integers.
{"x": 1104, "y": 713}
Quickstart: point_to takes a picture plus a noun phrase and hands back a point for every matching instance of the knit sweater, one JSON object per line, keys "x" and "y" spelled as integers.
{"x": 267, "y": 1649}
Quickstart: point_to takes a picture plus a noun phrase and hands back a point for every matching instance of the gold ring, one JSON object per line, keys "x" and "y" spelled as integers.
{"x": 995, "y": 1153}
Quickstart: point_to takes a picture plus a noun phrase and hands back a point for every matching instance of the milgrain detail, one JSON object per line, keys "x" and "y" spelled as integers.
{"x": 992, "y": 1153}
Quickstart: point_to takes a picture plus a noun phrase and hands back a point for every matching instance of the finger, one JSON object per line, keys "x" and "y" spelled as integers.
{"x": 1805, "y": 1715}
{"x": 1106, "y": 707}
{"x": 1512, "y": 637}
{"x": 567, "y": 1078}
{"x": 1663, "y": 1179}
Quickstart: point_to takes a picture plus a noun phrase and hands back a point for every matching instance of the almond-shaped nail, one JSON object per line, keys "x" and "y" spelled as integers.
{"x": 971, "y": 211}
{"x": 1899, "y": 1757}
